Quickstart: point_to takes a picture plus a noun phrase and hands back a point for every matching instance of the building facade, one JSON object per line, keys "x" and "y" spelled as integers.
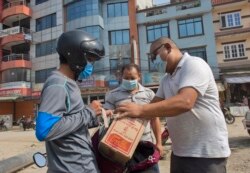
{"x": 126, "y": 28}
{"x": 15, "y": 59}
{"x": 187, "y": 23}
{"x": 29, "y": 30}
{"x": 231, "y": 20}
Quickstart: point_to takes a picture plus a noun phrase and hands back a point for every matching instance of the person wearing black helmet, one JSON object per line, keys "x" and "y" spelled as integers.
{"x": 63, "y": 119}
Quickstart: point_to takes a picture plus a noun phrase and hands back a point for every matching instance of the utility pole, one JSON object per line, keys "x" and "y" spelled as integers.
{"x": 119, "y": 67}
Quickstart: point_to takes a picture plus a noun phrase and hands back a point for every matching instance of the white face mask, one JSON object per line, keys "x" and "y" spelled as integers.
{"x": 160, "y": 65}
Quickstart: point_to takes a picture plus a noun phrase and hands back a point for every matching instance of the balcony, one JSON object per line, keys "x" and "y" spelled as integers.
{"x": 14, "y": 36}
{"x": 172, "y": 11}
{"x": 222, "y": 2}
{"x": 156, "y": 12}
{"x": 232, "y": 32}
{"x": 15, "y": 11}
{"x": 187, "y": 5}
{"x": 15, "y": 61}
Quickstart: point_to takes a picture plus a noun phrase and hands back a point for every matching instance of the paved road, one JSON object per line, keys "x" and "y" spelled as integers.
{"x": 16, "y": 142}
{"x": 164, "y": 164}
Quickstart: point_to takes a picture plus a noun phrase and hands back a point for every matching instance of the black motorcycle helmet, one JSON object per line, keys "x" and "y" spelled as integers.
{"x": 76, "y": 47}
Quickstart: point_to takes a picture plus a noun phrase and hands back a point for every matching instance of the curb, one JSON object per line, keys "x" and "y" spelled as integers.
{"x": 18, "y": 162}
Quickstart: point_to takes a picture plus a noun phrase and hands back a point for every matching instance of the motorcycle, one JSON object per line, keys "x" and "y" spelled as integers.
{"x": 165, "y": 135}
{"x": 27, "y": 124}
{"x": 3, "y": 126}
{"x": 229, "y": 118}
{"x": 246, "y": 121}
{"x": 145, "y": 155}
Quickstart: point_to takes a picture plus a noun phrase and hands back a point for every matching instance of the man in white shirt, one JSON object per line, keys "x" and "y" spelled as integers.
{"x": 188, "y": 97}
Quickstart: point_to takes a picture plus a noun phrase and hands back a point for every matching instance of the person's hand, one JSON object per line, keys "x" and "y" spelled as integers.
{"x": 129, "y": 110}
{"x": 96, "y": 106}
{"x": 160, "y": 148}
{"x": 109, "y": 112}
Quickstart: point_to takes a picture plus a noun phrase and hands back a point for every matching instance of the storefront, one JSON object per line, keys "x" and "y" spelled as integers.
{"x": 237, "y": 93}
{"x": 93, "y": 88}
{"x": 152, "y": 80}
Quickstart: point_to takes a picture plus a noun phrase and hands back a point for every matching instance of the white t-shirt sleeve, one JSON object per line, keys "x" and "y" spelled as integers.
{"x": 109, "y": 101}
{"x": 151, "y": 95}
{"x": 195, "y": 74}
{"x": 160, "y": 91}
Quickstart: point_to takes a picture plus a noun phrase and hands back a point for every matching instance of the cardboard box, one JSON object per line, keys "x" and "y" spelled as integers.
{"x": 122, "y": 138}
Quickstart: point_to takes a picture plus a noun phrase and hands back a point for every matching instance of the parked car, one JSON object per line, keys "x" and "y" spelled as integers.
{"x": 246, "y": 121}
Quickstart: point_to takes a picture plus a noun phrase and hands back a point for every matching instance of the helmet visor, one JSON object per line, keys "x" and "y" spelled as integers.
{"x": 94, "y": 49}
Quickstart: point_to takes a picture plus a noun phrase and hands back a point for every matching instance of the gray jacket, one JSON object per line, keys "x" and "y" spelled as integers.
{"x": 63, "y": 121}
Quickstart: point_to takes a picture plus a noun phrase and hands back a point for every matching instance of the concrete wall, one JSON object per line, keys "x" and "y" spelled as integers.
{"x": 236, "y": 36}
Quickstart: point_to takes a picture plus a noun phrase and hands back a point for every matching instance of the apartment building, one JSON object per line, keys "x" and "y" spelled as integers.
{"x": 231, "y": 20}
{"x": 188, "y": 23}
{"x": 28, "y": 46}
{"x": 15, "y": 59}
{"x": 126, "y": 28}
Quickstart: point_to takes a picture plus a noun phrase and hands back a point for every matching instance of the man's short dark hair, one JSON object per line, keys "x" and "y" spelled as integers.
{"x": 130, "y": 66}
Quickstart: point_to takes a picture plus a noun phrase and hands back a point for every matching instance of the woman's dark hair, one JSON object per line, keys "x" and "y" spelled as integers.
{"x": 130, "y": 66}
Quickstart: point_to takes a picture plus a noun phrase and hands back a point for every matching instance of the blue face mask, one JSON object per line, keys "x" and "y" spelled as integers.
{"x": 88, "y": 70}
{"x": 129, "y": 84}
{"x": 160, "y": 65}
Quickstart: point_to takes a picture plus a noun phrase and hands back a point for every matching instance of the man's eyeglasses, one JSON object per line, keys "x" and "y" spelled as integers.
{"x": 153, "y": 55}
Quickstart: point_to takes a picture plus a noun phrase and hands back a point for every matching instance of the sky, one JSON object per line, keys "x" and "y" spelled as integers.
{"x": 160, "y": 1}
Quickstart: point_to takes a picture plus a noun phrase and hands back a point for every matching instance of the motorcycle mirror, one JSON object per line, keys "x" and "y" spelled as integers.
{"x": 40, "y": 159}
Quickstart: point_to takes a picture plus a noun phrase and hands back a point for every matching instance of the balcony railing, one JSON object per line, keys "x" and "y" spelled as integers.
{"x": 14, "y": 30}
{"x": 15, "y": 3}
{"x": 156, "y": 12}
{"x": 218, "y": 2}
{"x": 188, "y": 5}
{"x": 14, "y": 57}
{"x": 24, "y": 30}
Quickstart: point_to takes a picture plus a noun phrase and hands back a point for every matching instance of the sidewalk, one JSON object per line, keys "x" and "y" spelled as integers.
{"x": 17, "y": 141}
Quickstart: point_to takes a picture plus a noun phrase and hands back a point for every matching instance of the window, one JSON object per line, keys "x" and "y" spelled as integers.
{"x": 119, "y": 37}
{"x": 46, "y": 48}
{"x": 42, "y": 75}
{"x": 152, "y": 66}
{"x": 95, "y": 31}
{"x": 15, "y": 75}
{"x": 46, "y": 22}
{"x": 198, "y": 51}
{"x": 82, "y": 8}
{"x": 118, "y": 9}
{"x": 157, "y": 31}
{"x": 115, "y": 64}
{"x": 40, "y": 1}
{"x": 190, "y": 27}
{"x": 233, "y": 51}
{"x": 230, "y": 20}
{"x": 157, "y": 65}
